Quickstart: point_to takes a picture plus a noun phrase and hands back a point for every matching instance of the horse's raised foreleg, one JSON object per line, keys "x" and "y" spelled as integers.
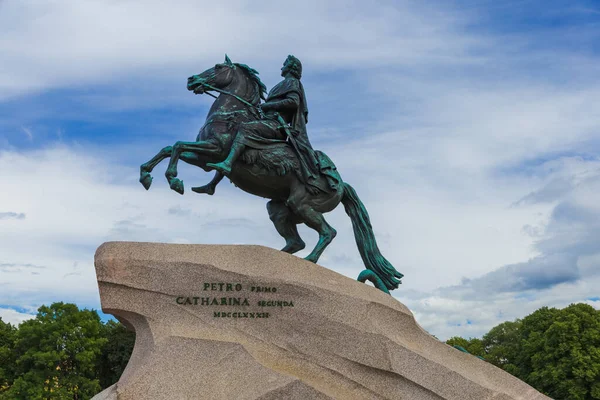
{"x": 201, "y": 148}
{"x": 146, "y": 168}
{"x": 211, "y": 186}
{"x": 198, "y": 161}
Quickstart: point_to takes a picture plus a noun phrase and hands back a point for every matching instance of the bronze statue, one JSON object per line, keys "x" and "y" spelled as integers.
{"x": 264, "y": 150}
{"x": 285, "y": 111}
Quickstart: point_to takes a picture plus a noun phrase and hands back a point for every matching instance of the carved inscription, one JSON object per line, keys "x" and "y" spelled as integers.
{"x": 239, "y": 300}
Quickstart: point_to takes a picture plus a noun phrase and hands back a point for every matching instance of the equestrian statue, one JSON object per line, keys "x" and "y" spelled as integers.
{"x": 263, "y": 148}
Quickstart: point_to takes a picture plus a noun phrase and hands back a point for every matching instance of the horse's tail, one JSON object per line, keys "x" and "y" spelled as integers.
{"x": 365, "y": 240}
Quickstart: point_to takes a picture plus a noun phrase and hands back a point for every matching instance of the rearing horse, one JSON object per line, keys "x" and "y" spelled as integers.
{"x": 271, "y": 173}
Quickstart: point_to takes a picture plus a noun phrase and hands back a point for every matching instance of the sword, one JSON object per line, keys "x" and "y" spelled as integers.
{"x": 292, "y": 140}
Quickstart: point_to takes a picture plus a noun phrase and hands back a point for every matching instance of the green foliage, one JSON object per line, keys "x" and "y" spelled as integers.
{"x": 501, "y": 345}
{"x": 115, "y": 353}
{"x": 63, "y": 353}
{"x": 473, "y": 345}
{"x": 555, "y": 351}
{"x": 8, "y": 334}
{"x": 56, "y": 354}
{"x": 561, "y": 352}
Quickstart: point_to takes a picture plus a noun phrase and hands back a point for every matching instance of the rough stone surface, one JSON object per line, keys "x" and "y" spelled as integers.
{"x": 341, "y": 339}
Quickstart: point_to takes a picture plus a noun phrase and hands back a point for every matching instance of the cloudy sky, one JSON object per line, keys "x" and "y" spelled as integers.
{"x": 469, "y": 128}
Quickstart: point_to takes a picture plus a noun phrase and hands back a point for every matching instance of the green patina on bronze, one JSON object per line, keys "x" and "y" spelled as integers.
{"x": 264, "y": 150}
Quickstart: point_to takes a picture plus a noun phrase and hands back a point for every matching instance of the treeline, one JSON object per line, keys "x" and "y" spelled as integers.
{"x": 68, "y": 353}
{"x": 63, "y": 353}
{"x": 557, "y": 351}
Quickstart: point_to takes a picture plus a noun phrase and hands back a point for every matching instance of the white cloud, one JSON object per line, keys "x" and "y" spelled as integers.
{"x": 58, "y": 44}
{"x": 456, "y": 312}
{"x": 565, "y": 271}
{"x": 74, "y": 201}
{"x": 478, "y": 172}
{"x": 13, "y": 317}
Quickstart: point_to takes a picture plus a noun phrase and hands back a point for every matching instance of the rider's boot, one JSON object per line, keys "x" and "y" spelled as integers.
{"x": 224, "y": 167}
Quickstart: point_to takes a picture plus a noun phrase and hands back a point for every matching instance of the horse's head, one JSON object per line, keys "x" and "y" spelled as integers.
{"x": 219, "y": 76}
{"x": 234, "y": 77}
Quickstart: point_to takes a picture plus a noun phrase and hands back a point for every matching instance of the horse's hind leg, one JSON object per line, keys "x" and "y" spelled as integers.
{"x": 314, "y": 220}
{"x": 284, "y": 222}
{"x": 146, "y": 168}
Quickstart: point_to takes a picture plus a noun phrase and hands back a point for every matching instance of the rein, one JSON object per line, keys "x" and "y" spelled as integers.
{"x": 235, "y": 96}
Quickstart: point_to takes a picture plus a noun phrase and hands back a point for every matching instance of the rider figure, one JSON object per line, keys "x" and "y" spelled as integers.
{"x": 285, "y": 117}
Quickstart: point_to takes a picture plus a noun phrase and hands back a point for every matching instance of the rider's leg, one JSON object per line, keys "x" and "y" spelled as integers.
{"x": 210, "y": 187}
{"x": 253, "y": 133}
{"x": 225, "y": 166}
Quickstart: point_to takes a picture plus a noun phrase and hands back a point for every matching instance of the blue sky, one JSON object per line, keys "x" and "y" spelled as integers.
{"x": 470, "y": 129}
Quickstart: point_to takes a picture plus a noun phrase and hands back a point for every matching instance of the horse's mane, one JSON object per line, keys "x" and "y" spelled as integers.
{"x": 253, "y": 75}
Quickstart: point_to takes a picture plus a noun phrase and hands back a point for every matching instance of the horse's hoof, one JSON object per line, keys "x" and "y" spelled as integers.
{"x": 310, "y": 258}
{"x": 206, "y": 189}
{"x": 294, "y": 247}
{"x": 146, "y": 180}
{"x": 177, "y": 185}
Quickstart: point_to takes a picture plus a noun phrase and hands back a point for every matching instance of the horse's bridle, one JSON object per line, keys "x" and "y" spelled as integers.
{"x": 235, "y": 96}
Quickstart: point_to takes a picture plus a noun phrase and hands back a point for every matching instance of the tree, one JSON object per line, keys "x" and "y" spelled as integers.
{"x": 501, "y": 345}
{"x": 555, "y": 351}
{"x": 115, "y": 352}
{"x": 57, "y": 354}
{"x": 473, "y": 345}
{"x": 560, "y": 352}
{"x": 8, "y": 335}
